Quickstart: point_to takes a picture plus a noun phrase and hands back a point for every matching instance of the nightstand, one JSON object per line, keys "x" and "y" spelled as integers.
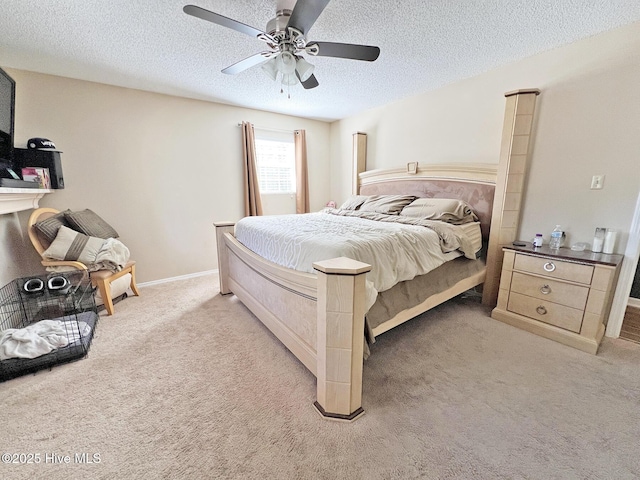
{"x": 560, "y": 294}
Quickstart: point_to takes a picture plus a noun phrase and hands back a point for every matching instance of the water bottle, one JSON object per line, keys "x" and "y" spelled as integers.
{"x": 556, "y": 238}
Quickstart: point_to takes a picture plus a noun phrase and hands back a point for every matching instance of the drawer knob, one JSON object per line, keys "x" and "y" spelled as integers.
{"x": 541, "y": 310}
{"x": 549, "y": 267}
{"x": 545, "y": 289}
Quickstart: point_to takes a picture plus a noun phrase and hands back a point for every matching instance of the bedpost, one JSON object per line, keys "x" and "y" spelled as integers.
{"x": 512, "y": 169}
{"x": 223, "y": 254}
{"x": 340, "y": 340}
{"x": 359, "y": 159}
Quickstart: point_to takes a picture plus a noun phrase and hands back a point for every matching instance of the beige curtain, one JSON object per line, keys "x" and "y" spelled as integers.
{"x": 252, "y": 203}
{"x": 302, "y": 180}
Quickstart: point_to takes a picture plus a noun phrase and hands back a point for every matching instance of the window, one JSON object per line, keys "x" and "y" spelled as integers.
{"x": 276, "y": 162}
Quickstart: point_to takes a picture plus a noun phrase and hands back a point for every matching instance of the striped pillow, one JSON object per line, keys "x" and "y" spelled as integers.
{"x": 353, "y": 202}
{"x": 90, "y": 223}
{"x": 388, "y": 204}
{"x": 72, "y": 245}
{"x": 49, "y": 227}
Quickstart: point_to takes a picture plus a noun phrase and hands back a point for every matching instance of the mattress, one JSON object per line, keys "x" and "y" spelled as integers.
{"x": 397, "y": 248}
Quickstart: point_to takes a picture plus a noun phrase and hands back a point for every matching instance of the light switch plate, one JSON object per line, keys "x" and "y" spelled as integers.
{"x": 597, "y": 182}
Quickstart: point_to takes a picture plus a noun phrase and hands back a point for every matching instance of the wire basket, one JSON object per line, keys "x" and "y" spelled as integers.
{"x": 45, "y": 321}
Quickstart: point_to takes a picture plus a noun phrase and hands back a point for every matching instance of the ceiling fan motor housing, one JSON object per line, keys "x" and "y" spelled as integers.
{"x": 277, "y": 26}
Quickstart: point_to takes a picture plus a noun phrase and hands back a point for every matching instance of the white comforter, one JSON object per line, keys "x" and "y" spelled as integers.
{"x": 395, "y": 247}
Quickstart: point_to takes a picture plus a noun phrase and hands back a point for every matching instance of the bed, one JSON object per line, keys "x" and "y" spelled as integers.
{"x": 319, "y": 314}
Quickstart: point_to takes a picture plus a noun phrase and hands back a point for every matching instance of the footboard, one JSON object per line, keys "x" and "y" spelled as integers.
{"x": 319, "y": 318}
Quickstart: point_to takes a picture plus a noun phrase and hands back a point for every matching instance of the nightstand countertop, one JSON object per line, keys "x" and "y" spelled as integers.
{"x": 564, "y": 253}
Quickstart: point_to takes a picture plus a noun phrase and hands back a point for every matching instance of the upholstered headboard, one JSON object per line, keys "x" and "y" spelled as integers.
{"x": 473, "y": 183}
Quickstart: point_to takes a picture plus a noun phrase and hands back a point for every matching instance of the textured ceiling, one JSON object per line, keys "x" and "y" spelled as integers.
{"x": 152, "y": 45}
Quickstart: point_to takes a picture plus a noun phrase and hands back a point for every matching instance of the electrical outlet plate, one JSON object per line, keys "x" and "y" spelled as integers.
{"x": 597, "y": 182}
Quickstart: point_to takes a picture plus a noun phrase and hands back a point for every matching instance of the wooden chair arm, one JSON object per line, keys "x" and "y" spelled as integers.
{"x": 64, "y": 263}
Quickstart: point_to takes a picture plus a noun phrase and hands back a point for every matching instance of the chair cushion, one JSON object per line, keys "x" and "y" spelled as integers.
{"x": 90, "y": 223}
{"x": 102, "y": 274}
{"x": 48, "y": 228}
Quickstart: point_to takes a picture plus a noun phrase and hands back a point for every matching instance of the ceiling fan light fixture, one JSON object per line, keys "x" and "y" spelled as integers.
{"x": 304, "y": 69}
{"x": 286, "y": 63}
{"x": 271, "y": 68}
{"x": 289, "y": 79}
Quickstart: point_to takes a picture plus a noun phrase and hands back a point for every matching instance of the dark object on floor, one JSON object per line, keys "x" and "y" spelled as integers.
{"x": 66, "y": 304}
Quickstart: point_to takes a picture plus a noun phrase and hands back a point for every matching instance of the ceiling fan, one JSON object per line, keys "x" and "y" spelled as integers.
{"x": 286, "y": 39}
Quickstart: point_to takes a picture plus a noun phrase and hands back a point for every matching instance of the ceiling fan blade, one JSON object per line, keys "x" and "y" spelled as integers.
{"x": 305, "y": 13}
{"x": 367, "y": 53}
{"x": 309, "y": 83}
{"x": 221, "y": 20}
{"x": 247, "y": 63}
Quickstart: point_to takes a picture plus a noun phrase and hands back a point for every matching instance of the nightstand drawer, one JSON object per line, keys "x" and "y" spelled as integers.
{"x": 559, "y": 315}
{"x": 550, "y": 267}
{"x": 573, "y": 296}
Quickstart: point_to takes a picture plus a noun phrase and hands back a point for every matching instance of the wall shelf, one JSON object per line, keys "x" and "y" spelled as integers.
{"x": 17, "y": 199}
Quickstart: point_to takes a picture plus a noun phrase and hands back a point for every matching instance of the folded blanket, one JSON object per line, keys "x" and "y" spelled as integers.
{"x": 113, "y": 255}
{"x": 41, "y": 338}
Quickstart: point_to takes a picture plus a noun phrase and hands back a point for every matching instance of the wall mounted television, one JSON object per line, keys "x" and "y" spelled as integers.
{"x": 7, "y": 110}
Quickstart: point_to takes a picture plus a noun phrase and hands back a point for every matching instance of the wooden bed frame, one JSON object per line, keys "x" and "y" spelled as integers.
{"x": 320, "y": 318}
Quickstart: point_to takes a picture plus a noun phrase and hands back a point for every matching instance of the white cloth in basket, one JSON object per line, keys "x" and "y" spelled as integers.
{"x": 40, "y": 338}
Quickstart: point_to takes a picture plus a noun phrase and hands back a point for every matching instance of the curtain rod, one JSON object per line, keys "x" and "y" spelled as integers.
{"x": 272, "y": 129}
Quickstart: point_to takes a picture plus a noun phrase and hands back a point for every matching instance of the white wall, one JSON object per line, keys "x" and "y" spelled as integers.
{"x": 160, "y": 169}
{"x": 587, "y": 123}
{"x": 278, "y": 203}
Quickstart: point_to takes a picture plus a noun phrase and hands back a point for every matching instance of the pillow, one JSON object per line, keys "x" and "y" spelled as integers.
{"x": 447, "y": 210}
{"x": 89, "y": 223}
{"x": 49, "y": 227}
{"x": 389, "y": 204}
{"x": 72, "y": 245}
{"x": 353, "y": 202}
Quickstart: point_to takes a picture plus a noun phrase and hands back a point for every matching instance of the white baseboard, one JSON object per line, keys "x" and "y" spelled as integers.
{"x": 181, "y": 277}
{"x": 634, "y": 302}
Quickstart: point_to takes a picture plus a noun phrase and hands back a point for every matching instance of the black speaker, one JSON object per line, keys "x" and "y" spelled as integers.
{"x": 29, "y": 157}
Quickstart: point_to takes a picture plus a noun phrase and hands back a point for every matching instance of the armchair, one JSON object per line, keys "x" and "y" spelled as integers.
{"x": 102, "y": 279}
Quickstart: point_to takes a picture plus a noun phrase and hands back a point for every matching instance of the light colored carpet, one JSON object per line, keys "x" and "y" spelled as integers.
{"x": 184, "y": 383}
